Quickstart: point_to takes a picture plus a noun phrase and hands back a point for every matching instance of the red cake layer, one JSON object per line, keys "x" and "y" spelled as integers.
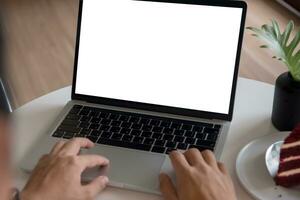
{"x": 293, "y": 151}
{"x": 294, "y": 164}
{"x": 288, "y": 181}
{"x": 289, "y": 167}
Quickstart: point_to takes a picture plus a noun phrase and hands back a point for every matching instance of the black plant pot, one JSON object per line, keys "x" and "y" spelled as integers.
{"x": 286, "y": 106}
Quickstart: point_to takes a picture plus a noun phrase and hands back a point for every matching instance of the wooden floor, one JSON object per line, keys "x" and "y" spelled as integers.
{"x": 40, "y": 40}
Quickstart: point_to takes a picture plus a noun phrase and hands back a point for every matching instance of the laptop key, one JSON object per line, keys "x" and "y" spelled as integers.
{"x": 58, "y": 134}
{"x": 69, "y": 129}
{"x": 136, "y": 132}
{"x": 68, "y": 135}
{"x": 125, "y": 131}
{"x": 168, "y": 130}
{"x": 160, "y": 143}
{"x": 94, "y": 114}
{"x": 104, "y": 128}
{"x": 134, "y": 119}
{"x": 171, "y": 144}
{"x": 158, "y": 149}
{"x": 88, "y": 108}
{"x": 73, "y": 117}
{"x": 190, "y": 140}
{"x": 113, "y": 116}
{"x": 106, "y": 135}
{"x": 165, "y": 124}
{"x": 154, "y": 122}
{"x": 85, "y": 119}
{"x": 157, "y": 129}
{"x": 157, "y": 136}
{"x": 115, "y": 129}
{"x": 79, "y": 107}
{"x": 146, "y": 134}
{"x": 127, "y": 138}
{"x": 74, "y": 111}
{"x": 146, "y": 128}
{"x": 189, "y": 134}
{"x": 103, "y": 115}
{"x": 94, "y": 126}
{"x": 178, "y": 139}
{"x": 182, "y": 146}
{"x": 210, "y": 144}
{"x": 148, "y": 141}
{"x": 187, "y": 127}
{"x": 211, "y": 130}
{"x": 96, "y": 120}
{"x": 137, "y": 126}
{"x": 69, "y": 122}
{"x": 84, "y": 112}
{"x": 96, "y": 133}
{"x": 168, "y": 137}
{"x": 116, "y": 123}
{"x": 138, "y": 140}
{"x": 198, "y": 128}
{"x": 179, "y": 132}
{"x": 211, "y": 137}
{"x": 126, "y": 124}
{"x": 200, "y": 136}
{"x": 84, "y": 125}
{"x": 92, "y": 138}
{"x": 175, "y": 125}
{"x": 106, "y": 121}
{"x": 116, "y": 136}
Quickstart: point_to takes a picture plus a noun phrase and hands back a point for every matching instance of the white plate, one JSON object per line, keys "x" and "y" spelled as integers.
{"x": 252, "y": 171}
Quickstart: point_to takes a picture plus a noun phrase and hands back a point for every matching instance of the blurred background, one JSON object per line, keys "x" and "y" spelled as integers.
{"x": 40, "y": 36}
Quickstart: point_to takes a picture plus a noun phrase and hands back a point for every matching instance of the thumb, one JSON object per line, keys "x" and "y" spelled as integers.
{"x": 97, "y": 185}
{"x": 167, "y": 188}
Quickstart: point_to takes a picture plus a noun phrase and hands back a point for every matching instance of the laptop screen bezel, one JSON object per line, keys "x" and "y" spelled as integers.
{"x": 160, "y": 108}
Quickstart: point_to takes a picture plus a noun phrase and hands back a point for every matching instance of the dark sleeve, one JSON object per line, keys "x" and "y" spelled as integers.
{"x": 5, "y": 106}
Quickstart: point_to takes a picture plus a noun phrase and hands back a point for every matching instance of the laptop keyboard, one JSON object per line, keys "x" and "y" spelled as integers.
{"x": 137, "y": 131}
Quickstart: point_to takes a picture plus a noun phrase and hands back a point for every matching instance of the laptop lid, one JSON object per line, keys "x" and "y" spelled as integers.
{"x": 172, "y": 56}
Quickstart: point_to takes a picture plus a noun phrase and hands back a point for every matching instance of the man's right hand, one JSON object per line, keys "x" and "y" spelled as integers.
{"x": 58, "y": 174}
{"x": 198, "y": 176}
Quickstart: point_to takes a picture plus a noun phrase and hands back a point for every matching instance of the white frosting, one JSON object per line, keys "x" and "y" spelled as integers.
{"x": 289, "y": 145}
{"x": 291, "y": 158}
{"x": 290, "y": 172}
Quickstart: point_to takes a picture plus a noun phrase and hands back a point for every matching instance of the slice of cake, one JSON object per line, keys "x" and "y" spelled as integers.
{"x": 288, "y": 174}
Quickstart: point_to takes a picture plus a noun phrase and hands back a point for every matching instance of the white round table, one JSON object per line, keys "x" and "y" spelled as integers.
{"x": 251, "y": 119}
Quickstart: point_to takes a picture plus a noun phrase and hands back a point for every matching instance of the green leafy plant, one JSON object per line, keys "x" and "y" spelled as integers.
{"x": 284, "y": 48}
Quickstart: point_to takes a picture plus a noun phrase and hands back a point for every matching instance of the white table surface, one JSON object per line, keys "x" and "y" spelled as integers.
{"x": 252, "y": 114}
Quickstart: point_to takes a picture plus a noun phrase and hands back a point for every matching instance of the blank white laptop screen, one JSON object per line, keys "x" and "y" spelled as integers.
{"x": 167, "y": 54}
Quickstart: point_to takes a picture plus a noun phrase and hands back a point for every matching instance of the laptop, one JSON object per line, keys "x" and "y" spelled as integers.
{"x": 150, "y": 77}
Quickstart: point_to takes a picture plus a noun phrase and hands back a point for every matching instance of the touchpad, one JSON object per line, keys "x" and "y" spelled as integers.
{"x": 135, "y": 169}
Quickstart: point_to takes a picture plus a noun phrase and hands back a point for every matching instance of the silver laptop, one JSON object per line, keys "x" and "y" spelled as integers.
{"x": 150, "y": 77}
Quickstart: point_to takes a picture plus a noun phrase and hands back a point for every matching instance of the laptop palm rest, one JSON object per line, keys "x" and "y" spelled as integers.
{"x": 129, "y": 169}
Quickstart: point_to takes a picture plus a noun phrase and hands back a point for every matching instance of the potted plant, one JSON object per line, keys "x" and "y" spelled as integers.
{"x": 286, "y": 105}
